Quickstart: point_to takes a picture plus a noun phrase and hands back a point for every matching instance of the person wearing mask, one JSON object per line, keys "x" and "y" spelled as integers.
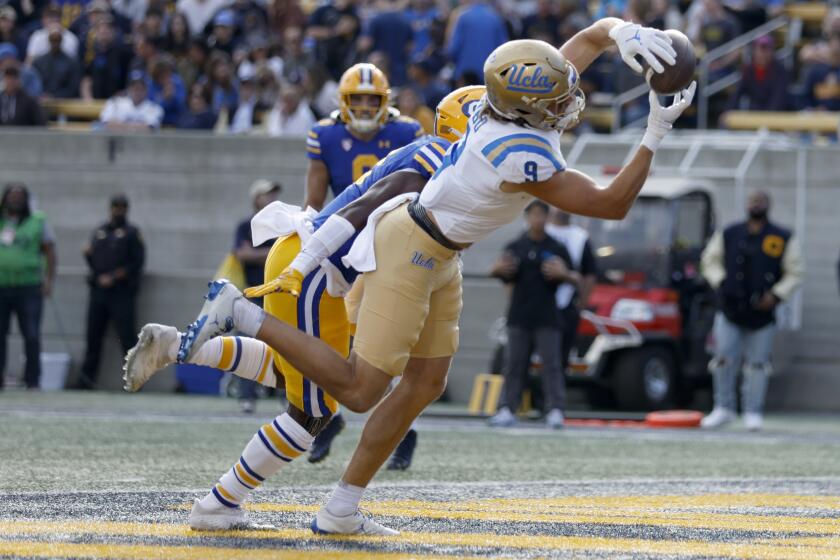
{"x": 115, "y": 257}
{"x": 27, "y": 275}
{"x": 754, "y": 265}
{"x": 535, "y": 265}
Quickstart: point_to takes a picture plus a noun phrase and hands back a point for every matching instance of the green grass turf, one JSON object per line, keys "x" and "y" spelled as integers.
{"x": 88, "y": 442}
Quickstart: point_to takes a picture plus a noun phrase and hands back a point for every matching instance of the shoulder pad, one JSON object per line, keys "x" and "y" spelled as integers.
{"x": 393, "y": 113}
{"x": 406, "y": 119}
{"x": 326, "y": 122}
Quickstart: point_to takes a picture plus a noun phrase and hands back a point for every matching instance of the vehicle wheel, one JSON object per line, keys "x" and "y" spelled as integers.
{"x": 645, "y": 379}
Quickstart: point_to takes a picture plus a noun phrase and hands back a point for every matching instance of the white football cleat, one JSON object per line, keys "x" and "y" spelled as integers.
{"x": 215, "y": 318}
{"x": 717, "y": 418}
{"x": 149, "y": 355}
{"x": 217, "y": 519}
{"x": 753, "y": 421}
{"x": 357, "y": 523}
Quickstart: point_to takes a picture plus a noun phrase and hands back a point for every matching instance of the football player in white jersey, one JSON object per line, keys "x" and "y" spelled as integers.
{"x": 408, "y": 320}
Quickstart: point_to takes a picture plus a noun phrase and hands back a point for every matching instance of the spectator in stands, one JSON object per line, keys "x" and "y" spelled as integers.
{"x": 18, "y": 108}
{"x": 754, "y": 265}
{"x": 291, "y": 117}
{"x": 611, "y": 8}
{"x": 334, "y": 27}
{"x": 191, "y": 67}
{"x": 132, "y": 112}
{"x": 60, "y": 74}
{"x": 27, "y": 275}
{"x": 478, "y": 30}
{"x": 222, "y": 37}
{"x": 535, "y": 265}
{"x": 105, "y": 73}
{"x": 544, "y": 21}
{"x": 200, "y": 12}
{"x": 145, "y": 51}
{"x": 94, "y": 12}
{"x": 715, "y": 27}
{"x": 409, "y": 104}
{"x": 177, "y": 41}
{"x": 167, "y": 89}
{"x": 223, "y": 86}
{"x": 29, "y": 77}
{"x": 283, "y": 14}
{"x": 268, "y": 89}
{"x": 425, "y": 82}
{"x": 822, "y": 82}
{"x": 296, "y": 61}
{"x": 258, "y": 58}
{"x": 263, "y": 192}
{"x": 573, "y": 296}
{"x": 764, "y": 81}
{"x": 246, "y": 112}
{"x": 115, "y": 255}
{"x": 250, "y": 18}
{"x": 389, "y": 31}
{"x": 820, "y": 51}
{"x": 39, "y": 42}
{"x": 421, "y": 15}
{"x": 153, "y": 27}
{"x": 9, "y": 32}
{"x": 199, "y": 115}
{"x": 321, "y": 91}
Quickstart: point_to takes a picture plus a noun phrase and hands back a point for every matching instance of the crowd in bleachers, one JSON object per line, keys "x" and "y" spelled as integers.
{"x": 272, "y": 66}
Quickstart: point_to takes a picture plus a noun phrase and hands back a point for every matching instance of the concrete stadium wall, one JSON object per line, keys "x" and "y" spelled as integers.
{"x": 189, "y": 191}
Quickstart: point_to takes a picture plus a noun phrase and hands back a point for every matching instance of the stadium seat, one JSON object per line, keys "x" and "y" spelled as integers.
{"x": 74, "y": 109}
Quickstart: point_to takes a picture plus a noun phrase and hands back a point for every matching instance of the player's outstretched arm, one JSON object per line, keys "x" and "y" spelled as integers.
{"x": 576, "y": 192}
{"x": 337, "y": 229}
{"x": 631, "y": 39}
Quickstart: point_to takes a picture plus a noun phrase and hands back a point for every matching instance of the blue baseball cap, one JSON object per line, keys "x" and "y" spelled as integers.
{"x": 225, "y": 17}
{"x": 8, "y": 50}
{"x": 137, "y": 76}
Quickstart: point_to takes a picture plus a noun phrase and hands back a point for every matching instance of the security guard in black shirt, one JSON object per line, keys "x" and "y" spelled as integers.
{"x": 115, "y": 256}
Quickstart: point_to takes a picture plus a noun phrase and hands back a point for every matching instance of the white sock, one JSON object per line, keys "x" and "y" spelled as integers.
{"x": 273, "y": 446}
{"x": 244, "y": 357}
{"x": 247, "y": 317}
{"x": 345, "y": 499}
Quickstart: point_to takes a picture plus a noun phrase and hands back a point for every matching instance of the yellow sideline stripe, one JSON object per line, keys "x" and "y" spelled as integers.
{"x": 770, "y": 550}
{"x": 144, "y": 552}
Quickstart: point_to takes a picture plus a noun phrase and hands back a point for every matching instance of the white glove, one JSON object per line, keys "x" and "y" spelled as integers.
{"x": 651, "y": 44}
{"x": 661, "y": 119}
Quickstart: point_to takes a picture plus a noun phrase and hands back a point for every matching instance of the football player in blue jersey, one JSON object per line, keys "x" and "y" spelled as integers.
{"x": 365, "y": 129}
{"x": 317, "y": 309}
{"x": 341, "y": 149}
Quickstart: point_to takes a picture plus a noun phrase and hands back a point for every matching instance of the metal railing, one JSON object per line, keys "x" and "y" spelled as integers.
{"x": 705, "y": 90}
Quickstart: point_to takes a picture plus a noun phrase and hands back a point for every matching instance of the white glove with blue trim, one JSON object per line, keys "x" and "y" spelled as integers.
{"x": 651, "y": 44}
{"x": 661, "y": 119}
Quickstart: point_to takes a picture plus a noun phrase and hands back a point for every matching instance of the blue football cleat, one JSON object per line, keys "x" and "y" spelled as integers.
{"x": 215, "y": 319}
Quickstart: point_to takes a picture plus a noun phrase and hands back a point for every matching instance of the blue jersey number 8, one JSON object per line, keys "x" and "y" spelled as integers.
{"x": 531, "y": 171}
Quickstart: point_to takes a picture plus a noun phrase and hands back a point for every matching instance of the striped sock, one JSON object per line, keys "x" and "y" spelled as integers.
{"x": 274, "y": 445}
{"x": 244, "y": 357}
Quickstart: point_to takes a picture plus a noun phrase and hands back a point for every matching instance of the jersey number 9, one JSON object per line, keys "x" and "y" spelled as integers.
{"x": 531, "y": 171}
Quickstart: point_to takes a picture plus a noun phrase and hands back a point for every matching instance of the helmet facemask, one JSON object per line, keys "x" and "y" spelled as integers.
{"x": 363, "y": 117}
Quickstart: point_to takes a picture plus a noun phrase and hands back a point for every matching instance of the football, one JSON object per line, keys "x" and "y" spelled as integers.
{"x": 679, "y": 75}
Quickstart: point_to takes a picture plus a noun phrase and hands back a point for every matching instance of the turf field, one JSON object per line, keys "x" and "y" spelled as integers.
{"x": 107, "y": 475}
